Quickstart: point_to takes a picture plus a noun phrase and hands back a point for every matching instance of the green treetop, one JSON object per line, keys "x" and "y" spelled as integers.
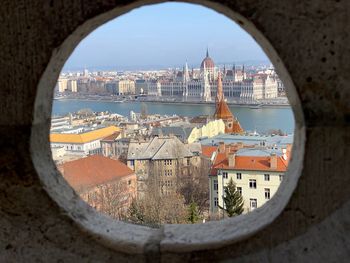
{"x": 193, "y": 213}
{"x": 233, "y": 200}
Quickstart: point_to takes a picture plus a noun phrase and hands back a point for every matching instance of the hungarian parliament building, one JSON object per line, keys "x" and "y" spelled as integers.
{"x": 238, "y": 85}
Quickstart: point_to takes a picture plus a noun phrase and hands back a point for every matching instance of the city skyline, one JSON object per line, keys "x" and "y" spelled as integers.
{"x": 186, "y": 31}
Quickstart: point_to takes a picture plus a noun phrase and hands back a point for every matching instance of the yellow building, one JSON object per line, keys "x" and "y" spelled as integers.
{"x": 211, "y": 129}
{"x": 83, "y": 143}
{"x": 190, "y": 133}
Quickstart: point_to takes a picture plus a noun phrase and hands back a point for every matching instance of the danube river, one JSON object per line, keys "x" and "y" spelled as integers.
{"x": 261, "y": 120}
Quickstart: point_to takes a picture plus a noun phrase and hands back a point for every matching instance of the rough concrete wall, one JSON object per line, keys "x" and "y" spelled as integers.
{"x": 310, "y": 37}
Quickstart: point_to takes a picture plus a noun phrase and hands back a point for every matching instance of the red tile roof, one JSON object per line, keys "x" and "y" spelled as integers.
{"x": 207, "y": 151}
{"x": 249, "y": 163}
{"x": 93, "y": 170}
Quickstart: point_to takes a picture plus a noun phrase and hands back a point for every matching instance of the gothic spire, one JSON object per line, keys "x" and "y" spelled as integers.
{"x": 219, "y": 93}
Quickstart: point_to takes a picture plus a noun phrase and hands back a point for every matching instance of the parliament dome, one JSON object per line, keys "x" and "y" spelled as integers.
{"x": 207, "y": 61}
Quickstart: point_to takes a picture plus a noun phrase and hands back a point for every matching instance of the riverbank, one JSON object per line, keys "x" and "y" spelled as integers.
{"x": 261, "y": 119}
{"x": 148, "y": 100}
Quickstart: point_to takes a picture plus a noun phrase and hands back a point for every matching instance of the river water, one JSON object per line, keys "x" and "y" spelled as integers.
{"x": 261, "y": 120}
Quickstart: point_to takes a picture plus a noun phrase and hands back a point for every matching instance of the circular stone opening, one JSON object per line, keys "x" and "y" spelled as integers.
{"x": 137, "y": 239}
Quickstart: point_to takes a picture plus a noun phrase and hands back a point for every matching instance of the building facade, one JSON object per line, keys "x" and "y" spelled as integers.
{"x": 257, "y": 174}
{"x": 163, "y": 160}
{"x": 185, "y": 85}
{"x": 107, "y": 185}
{"x": 82, "y": 143}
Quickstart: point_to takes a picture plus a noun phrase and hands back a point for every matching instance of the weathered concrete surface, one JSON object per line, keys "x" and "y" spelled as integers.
{"x": 41, "y": 219}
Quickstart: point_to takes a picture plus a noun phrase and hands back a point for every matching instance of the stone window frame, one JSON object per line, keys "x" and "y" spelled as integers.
{"x": 131, "y": 239}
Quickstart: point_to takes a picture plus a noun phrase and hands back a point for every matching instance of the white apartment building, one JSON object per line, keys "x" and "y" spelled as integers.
{"x": 257, "y": 176}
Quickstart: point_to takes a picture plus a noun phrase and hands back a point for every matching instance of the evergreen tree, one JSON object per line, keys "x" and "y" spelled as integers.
{"x": 136, "y": 213}
{"x": 193, "y": 213}
{"x": 233, "y": 200}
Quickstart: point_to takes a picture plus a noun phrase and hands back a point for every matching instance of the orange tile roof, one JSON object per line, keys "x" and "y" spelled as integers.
{"x": 207, "y": 151}
{"x": 249, "y": 163}
{"x": 83, "y": 137}
{"x": 223, "y": 112}
{"x": 92, "y": 171}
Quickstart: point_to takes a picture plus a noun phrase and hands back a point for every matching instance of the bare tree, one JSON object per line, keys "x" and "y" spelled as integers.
{"x": 157, "y": 205}
{"x": 195, "y": 188}
{"x": 111, "y": 199}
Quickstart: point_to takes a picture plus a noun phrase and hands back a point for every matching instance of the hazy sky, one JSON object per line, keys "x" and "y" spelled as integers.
{"x": 165, "y": 35}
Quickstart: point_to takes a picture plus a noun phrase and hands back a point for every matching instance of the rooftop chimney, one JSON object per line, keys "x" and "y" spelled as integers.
{"x": 273, "y": 161}
{"x": 231, "y": 159}
{"x": 221, "y": 147}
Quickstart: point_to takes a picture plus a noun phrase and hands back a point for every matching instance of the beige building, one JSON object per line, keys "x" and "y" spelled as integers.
{"x": 211, "y": 129}
{"x": 72, "y": 85}
{"x": 190, "y": 133}
{"x": 62, "y": 84}
{"x": 115, "y": 146}
{"x": 163, "y": 160}
{"x": 126, "y": 87}
{"x": 257, "y": 174}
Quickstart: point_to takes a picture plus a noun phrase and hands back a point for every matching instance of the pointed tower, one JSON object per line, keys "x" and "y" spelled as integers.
{"x": 206, "y": 95}
{"x": 223, "y": 112}
{"x": 186, "y": 79}
{"x": 243, "y": 72}
{"x": 186, "y": 75}
{"x": 219, "y": 92}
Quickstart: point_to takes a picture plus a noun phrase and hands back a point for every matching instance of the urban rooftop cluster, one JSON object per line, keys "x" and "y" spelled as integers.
{"x": 156, "y": 169}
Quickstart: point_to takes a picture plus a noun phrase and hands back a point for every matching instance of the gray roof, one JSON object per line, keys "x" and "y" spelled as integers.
{"x": 279, "y": 141}
{"x": 258, "y": 152}
{"x": 181, "y": 132}
{"x": 158, "y": 149}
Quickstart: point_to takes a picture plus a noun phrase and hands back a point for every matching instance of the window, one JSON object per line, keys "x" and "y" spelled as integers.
{"x": 266, "y": 177}
{"x": 252, "y": 183}
{"x": 267, "y": 193}
{"x": 167, "y": 162}
{"x": 239, "y": 190}
{"x": 281, "y": 177}
{"x": 215, "y": 184}
{"x": 239, "y": 176}
{"x": 129, "y": 182}
{"x": 216, "y": 201}
{"x": 253, "y": 204}
{"x": 132, "y": 162}
{"x": 225, "y": 175}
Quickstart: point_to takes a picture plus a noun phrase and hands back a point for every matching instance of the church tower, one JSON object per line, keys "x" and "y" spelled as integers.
{"x": 206, "y": 94}
{"x": 186, "y": 79}
{"x": 223, "y": 112}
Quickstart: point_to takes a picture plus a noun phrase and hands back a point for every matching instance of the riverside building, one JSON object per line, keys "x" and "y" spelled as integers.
{"x": 237, "y": 84}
